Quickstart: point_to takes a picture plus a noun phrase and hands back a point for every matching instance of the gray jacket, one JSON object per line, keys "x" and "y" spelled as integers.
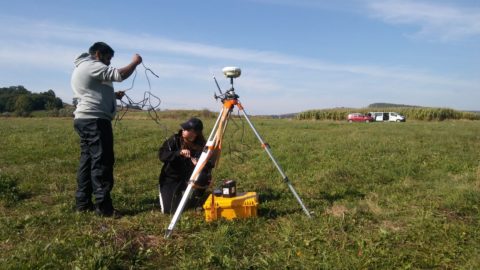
{"x": 93, "y": 88}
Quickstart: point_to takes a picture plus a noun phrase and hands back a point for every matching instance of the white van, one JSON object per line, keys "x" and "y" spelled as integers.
{"x": 387, "y": 117}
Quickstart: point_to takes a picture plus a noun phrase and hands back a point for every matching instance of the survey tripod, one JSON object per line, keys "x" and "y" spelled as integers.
{"x": 214, "y": 145}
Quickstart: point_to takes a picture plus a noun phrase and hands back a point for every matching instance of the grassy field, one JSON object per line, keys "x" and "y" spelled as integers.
{"x": 384, "y": 196}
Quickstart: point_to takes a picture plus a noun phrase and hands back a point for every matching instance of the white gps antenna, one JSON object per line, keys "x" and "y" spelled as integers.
{"x": 232, "y": 72}
{"x": 229, "y": 72}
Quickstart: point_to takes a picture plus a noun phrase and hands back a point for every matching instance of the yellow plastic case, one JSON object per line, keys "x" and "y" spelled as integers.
{"x": 244, "y": 205}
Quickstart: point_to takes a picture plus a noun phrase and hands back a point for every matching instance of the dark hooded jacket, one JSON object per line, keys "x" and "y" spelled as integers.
{"x": 177, "y": 168}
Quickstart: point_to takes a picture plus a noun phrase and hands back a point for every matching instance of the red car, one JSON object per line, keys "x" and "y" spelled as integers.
{"x": 359, "y": 117}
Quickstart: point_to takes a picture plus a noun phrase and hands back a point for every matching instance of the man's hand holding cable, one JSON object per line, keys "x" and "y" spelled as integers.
{"x": 119, "y": 94}
{"x": 137, "y": 59}
{"x": 126, "y": 71}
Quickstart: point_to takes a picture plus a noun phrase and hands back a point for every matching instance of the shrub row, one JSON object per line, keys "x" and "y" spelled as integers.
{"x": 412, "y": 113}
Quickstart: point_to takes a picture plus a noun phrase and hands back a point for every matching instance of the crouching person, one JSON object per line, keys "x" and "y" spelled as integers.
{"x": 179, "y": 155}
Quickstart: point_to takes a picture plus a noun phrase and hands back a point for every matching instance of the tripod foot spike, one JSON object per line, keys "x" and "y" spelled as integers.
{"x": 168, "y": 233}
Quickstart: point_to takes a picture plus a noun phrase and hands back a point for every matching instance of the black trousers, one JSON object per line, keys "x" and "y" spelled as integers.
{"x": 95, "y": 172}
{"x": 170, "y": 195}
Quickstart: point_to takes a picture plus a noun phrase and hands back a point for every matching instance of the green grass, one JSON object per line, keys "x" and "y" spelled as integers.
{"x": 384, "y": 196}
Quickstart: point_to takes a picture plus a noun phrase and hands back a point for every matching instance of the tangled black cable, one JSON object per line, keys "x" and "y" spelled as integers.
{"x": 150, "y": 102}
{"x": 237, "y": 148}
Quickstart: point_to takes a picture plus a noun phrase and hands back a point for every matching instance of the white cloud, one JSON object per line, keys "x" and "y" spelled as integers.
{"x": 444, "y": 22}
{"x": 27, "y": 54}
{"x": 43, "y": 43}
{"x": 289, "y": 83}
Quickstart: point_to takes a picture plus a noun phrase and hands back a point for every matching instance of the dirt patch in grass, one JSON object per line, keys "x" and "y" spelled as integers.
{"x": 6, "y": 246}
{"x": 452, "y": 216}
{"x": 337, "y": 210}
{"x": 392, "y": 226}
{"x": 135, "y": 240}
{"x": 148, "y": 241}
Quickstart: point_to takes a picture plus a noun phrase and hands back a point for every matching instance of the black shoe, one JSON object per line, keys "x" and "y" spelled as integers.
{"x": 85, "y": 208}
{"x": 115, "y": 214}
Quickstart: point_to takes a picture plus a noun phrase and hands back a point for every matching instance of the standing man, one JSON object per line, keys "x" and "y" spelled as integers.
{"x": 93, "y": 88}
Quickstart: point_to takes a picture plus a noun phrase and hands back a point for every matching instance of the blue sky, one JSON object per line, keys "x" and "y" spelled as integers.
{"x": 295, "y": 55}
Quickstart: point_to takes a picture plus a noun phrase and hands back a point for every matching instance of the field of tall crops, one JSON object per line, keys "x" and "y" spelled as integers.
{"x": 411, "y": 113}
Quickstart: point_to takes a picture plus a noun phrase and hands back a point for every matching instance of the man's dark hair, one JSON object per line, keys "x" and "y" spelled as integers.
{"x": 102, "y": 48}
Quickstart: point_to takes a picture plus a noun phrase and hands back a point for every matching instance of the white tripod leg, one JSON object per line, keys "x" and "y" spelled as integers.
{"x": 196, "y": 172}
{"x": 202, "y": 161}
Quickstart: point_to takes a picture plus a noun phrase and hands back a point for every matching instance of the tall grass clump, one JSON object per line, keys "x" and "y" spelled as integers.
{"x": 336, "y": 114}
{"x": 9, "y": 190}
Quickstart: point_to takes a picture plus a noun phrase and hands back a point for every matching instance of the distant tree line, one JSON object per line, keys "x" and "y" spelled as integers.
{"x": 22, "y": 102}
{"x": 391, "y": 105}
